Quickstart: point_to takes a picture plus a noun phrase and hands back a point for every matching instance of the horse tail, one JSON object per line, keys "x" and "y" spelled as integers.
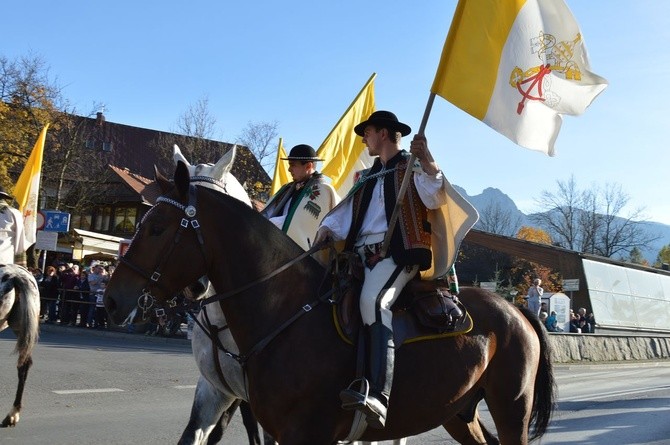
{"x": 28, "y": 299}
{"x": 545, "y": 385}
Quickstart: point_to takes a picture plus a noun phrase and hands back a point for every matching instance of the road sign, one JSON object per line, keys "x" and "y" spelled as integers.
{"x": 570, "y": 285}
{"x": 46, "y": 240}
{"x": 53, "y": 221}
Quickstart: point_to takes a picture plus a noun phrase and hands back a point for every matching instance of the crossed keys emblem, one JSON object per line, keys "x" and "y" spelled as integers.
{"x": 534, "y": 83}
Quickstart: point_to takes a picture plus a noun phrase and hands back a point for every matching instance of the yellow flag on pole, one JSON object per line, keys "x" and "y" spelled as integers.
{"x": 27, "y": 188}
{"x": 517, "y": 65}
{"x": 281, "y": 175}
{"x": 343, "y": 151}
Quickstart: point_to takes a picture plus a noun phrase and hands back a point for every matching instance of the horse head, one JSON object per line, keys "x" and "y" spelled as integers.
{"x": 187, "y": 234}
{"x": 220, "y": 172}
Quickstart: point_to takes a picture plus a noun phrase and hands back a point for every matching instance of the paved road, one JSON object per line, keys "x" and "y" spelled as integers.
{"x": 111, "y": 388}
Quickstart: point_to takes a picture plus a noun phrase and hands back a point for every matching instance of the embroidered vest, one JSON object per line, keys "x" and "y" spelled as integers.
{"x": 411, "y": 237}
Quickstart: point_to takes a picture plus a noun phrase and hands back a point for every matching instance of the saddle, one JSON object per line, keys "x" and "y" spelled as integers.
{"x": 424, "y": 310}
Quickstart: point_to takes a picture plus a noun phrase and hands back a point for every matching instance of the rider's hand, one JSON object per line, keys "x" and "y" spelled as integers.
{"x": 323, "y": 236}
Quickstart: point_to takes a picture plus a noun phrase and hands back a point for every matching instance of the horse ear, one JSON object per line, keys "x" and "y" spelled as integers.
{"x": 163, "y": 182}
{"x": 178, "y": 156}
{"x": 182, "y": 178}
{"x": 224, "y": 165}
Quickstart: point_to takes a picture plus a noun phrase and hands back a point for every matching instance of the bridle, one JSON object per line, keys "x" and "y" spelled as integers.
{"x": 147, "y": 300}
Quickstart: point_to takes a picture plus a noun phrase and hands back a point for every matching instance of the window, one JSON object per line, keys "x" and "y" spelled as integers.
{"x": 125, "y": 219}
{"x": 107, "y": 146}
{"x": 102, "y": 218}
{"x": 81, "y": 221}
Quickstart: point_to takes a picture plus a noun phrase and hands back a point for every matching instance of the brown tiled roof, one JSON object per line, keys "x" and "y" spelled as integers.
{"x": 136, "y": 150}
{"x": 147, "y": 188}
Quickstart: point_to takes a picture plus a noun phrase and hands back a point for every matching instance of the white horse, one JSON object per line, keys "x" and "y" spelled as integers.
{"x": 20, "y": 311}
{"x": 221, "y": 386}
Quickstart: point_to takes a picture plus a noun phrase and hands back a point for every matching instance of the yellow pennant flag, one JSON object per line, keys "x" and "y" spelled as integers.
{"x": 281, "y": 175}
{"x": 343, "y": 151}
{"x": 27, "y": 188}
{"x": 517, "y": 65}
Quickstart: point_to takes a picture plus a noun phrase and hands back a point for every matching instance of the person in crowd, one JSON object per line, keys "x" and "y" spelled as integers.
{"x": 95, "y": 278}
{"x": 543, "y": 318}
{"x": 13, "y": 242}
{"x": 543, "y": 307}
{"x": 589, "y": 328}
{"x": 534, "y": 296}
{"x": 49, "y": 292}
{"x": 69, "y": 280}
{"x": 361, "y": 219}
{"x": 576, "y": 323}
{"x": 551, "y": 323}
{"x": 100, "y": 311}
{"x": 84, "y": 295}
{"x": 591, "y": 320}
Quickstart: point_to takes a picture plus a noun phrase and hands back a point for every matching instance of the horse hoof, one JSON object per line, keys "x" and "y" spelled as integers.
{"x": 11, "y": 420}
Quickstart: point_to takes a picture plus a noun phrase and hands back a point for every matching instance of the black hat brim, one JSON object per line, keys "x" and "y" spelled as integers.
{"x": 404, "y": 129}
{"x": 301, "y": 159}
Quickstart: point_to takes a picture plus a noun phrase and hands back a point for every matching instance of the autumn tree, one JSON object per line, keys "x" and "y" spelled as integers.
{"x": 29, "y": 99}
{"x": 523, "y": 271}
{"x": 533, "y": 234}
{"x": 663, "y": 256}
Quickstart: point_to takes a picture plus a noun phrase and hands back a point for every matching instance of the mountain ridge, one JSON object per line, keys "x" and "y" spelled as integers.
{"x": 492, "y": 196}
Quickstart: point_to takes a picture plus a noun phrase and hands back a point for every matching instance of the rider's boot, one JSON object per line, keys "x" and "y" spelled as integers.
{"x": 374, "y": 404}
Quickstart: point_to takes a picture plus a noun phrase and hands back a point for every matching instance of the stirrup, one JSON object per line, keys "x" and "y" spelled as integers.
{"x": 353, "y": 399}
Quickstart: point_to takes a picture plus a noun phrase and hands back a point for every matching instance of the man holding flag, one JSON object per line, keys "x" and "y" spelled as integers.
{"x": 364, "y": 218}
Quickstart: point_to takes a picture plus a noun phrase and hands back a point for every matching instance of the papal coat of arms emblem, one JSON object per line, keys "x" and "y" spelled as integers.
{"x": 534, "y": 83}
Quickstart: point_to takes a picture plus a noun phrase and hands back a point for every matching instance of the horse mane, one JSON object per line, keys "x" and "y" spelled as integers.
{"x": 267, "y": 234}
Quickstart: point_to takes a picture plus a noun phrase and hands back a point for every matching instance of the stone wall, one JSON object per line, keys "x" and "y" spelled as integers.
{"x": 569, "y": 348}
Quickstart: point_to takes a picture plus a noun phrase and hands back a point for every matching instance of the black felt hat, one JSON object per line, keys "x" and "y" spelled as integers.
{"x": 302, "y": 152}
{"x": 4, "y": 194}
{"x": 383, "y": 119}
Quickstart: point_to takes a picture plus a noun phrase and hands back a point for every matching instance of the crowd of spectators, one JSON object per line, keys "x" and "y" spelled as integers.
{"x": 71, "y": 294}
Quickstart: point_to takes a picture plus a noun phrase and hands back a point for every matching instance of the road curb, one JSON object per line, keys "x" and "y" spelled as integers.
{"x": 113, "y": 332}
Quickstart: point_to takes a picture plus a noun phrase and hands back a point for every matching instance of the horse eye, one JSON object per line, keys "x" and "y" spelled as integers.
{"x": 156, "y": 230}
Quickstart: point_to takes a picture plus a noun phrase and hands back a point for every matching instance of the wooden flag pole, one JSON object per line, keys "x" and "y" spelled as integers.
{"x": 405, "y": 181}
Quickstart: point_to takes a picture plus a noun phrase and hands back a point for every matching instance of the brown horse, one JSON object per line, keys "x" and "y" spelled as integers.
{"x": 20, "y": 310}
{"x": 295, "y": 361}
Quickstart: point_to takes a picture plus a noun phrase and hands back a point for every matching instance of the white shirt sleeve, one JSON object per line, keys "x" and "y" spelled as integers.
{"x": 431, "y": 188}
{"x": 339, "y": 220}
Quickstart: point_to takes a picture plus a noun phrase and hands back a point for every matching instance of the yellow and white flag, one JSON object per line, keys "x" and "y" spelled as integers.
{"x": 27, "y": 188}
{"x": 281, "y": 175}
{"x": 517, "y": 65}
{"x": 343, "y": 151}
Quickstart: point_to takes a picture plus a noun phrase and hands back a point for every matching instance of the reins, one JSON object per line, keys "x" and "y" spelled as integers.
{"x": 226, "y": 295}
{"x": 242, "y": 359}
{"x": 146, "y": 300}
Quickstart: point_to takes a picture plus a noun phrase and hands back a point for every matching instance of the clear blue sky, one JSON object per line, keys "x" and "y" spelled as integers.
{"x": 302, "y": 62}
